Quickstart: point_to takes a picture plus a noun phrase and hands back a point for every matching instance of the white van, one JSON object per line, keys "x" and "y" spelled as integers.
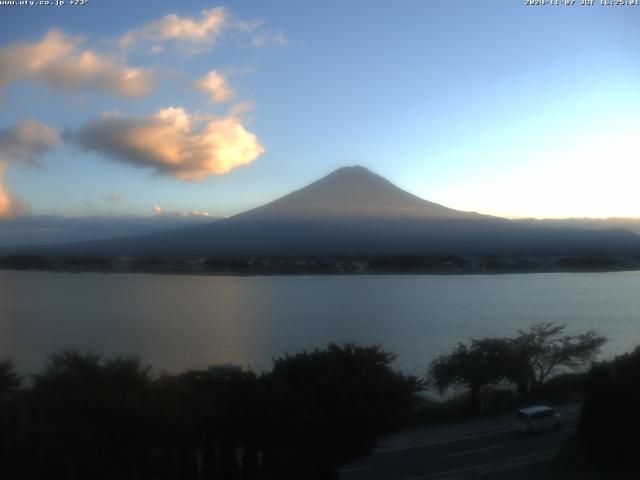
{"x": 536, "y": 419}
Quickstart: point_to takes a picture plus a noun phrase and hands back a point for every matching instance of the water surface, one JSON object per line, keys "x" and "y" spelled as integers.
{"x": 179, "y": 322}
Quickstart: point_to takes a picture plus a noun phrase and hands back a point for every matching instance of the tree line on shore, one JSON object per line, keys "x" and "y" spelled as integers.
{"x": 86, "y": 417}
{"x": 320, "y": 264}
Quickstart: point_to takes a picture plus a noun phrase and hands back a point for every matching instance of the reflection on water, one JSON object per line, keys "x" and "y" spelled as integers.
{"x": 178, "y": 322}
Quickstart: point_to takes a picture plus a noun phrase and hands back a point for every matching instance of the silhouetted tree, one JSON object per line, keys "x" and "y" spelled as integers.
{"x": 480, "y": 363}
{"x": 9, "y": 380}
{"x": 91, "y": 415}
{"x": 329, "y": 406}
{"x": 610, "y": 418}
{"x": 86, "y": 417}
{"x": 541, "y": 351}
{"x": 175, "y": 434}
{"x": 527, "y": 360}
{"x": 231, "y": 414}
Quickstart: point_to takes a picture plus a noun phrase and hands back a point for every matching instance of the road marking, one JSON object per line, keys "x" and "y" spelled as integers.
{"x": 355, "y": 469}
{"x": 512, "y": 463}
{"x": 489, "y": 433}
{"x": 444, "y": 442}
{"x": 469, "y": 452}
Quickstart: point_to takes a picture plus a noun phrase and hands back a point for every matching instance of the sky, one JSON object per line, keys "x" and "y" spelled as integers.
{"x": 123, "y": 108}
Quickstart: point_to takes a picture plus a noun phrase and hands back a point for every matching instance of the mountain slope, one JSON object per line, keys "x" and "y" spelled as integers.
{"x": 353, "y": 211}
{"x": 353, "y": 192}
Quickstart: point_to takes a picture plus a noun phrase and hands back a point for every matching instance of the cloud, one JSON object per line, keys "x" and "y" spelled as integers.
{"x": 239, "y": 109}
{"x": 160, "y": 212}
{"x": 262, "y": 39}
{"x": 216, "y": 86}
{"x": 5, "y": 200}
{"x": 59, "y": 61}
{"x": 172, "y": 142}
{"x": 23, "y": 143}
{"x": 113, "y": 197}
{"x": 10, "y": 206}
{"x": 200, "y": 32}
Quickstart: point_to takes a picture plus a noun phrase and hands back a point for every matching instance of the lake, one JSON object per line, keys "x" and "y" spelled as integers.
{"x": 179, "y": 322}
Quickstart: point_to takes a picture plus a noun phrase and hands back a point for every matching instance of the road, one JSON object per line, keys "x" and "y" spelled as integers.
{"x": 462, "y": 458}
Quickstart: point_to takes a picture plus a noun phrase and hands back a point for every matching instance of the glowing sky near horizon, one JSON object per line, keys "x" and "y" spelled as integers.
{"x": 494, "y": 106}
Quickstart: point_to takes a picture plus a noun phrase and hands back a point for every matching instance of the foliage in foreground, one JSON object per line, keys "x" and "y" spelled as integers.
{"x": 608, "y": 429}
{"x": 320, "y": 399}
{"x": 9, "y": 379}
{"x": 527, "y": 361}
{"x": 86, "y": 417}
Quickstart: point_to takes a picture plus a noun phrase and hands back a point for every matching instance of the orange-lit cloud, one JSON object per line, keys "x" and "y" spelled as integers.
{"x": 198, "y": 32}
{"x": 216, "y": 85}
{"x": 10, "y": 207}
{"x": 60, "y": 62}
{"x": 172, "y": 142}
{"x": 5, "y": 201}
{"x": 22, "y": 143}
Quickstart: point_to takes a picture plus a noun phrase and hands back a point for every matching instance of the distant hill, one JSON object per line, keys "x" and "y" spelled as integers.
{"x": 53, "y": 229}
{"x": 630, "y": 224}
{"x": 353, "y": 211}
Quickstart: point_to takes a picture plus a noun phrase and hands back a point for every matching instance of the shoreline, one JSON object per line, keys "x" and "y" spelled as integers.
{"x": 318, "y": 274}
{"x": 330, "y": 265}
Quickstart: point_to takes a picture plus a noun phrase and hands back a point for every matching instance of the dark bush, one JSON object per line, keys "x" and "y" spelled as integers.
{"x": 610, "y": 419}
{"x": 86, "y": 417}
{"x": 330, "y": 406}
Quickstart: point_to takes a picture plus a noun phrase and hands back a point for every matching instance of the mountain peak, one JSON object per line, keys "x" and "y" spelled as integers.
{"x": 352, "y": 169}
{"x": 351, "y": 177}
{"x": 353, "y": 191}
{"x": 355, "y": 173}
